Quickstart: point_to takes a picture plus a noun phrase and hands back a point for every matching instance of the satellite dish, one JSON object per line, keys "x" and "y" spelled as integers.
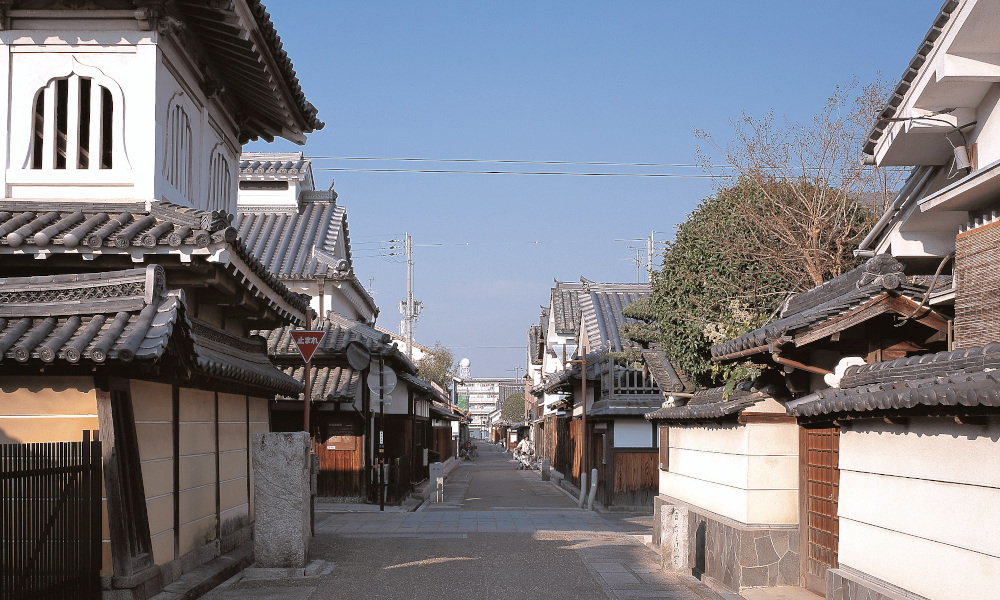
{"x": 358, "y": 356}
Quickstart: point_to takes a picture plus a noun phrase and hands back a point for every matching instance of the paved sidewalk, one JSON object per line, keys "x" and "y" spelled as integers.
{"x": 501, "y": 534}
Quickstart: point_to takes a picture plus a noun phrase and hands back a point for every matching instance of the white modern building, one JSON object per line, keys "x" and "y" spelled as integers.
{"x": 482, "y": 396}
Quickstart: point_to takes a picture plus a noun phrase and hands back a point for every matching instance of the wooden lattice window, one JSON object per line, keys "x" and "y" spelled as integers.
{"x": 72, "y": 127}
{"x": 820, "y": 491}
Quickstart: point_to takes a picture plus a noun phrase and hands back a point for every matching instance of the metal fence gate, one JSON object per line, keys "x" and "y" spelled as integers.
{"x": 50, "y": 520}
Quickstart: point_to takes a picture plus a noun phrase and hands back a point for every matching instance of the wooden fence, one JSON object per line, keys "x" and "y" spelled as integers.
{"x": 636, "y": 477}
{"x": 50, "y": 520}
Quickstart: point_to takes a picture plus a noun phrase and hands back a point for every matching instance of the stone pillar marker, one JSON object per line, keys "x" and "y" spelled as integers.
{"x": 437, "y": 479}
{"x": 546, "y": 468}
{"x": 282, "y": 499}
{"x": 674, "y": 542}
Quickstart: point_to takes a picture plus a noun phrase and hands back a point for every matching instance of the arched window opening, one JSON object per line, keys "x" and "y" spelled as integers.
{"x": 221, "y": 190}
{"x": 72, "y": 122}
{"x": 177, "y": 159}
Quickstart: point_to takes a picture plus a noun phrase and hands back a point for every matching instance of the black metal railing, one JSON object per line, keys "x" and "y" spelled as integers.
{"x": 50, "y": 520}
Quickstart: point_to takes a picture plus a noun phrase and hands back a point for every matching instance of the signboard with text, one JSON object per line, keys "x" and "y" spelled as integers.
{"x": 307, "y": 342}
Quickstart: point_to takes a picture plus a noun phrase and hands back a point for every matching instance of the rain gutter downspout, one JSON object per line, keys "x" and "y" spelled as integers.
{"x": 911, "y": 188}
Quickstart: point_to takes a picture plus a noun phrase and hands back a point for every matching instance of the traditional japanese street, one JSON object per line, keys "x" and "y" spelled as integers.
{"x": 693, "y": 302}
{"x": 501, "y": 533}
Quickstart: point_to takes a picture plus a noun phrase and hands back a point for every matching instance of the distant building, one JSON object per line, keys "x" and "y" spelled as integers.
{"x": 481, "y": 397}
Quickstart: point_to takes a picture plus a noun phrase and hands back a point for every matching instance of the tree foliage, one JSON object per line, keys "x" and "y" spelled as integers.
{"x": 799, "y": 204}
{"x": 512, "y": 408}
{"x": 438, "y": 366}
{"x": 709, "y": 288}
{"x": 813, "y": 199}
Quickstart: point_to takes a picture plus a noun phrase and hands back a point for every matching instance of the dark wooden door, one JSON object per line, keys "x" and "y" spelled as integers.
{"x": 818, "y": 493}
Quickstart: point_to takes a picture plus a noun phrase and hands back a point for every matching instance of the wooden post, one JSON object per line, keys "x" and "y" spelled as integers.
{"x": 307, "y": 397}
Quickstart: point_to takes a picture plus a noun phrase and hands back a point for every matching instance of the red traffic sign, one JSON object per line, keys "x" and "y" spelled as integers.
{"x": 307, "y": 342}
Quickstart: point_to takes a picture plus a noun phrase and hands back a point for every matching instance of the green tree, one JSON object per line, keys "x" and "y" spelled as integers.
{"x": 710, "y": 287}
{"x": 437, "y": 365}
{"x": 512, "y": 408}
{"x": 798, "y": 206}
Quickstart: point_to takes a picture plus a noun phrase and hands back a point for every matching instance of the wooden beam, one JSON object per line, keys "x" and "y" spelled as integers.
{"x": 856, "y": 316}
{"x": 764, "y": 418}
{"x": 926, "y": 315}
{"x": 120, "y": 558}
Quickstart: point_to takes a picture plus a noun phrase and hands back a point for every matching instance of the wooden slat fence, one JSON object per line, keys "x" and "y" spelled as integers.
{"x": 50, "y": 520}
{"x": 636, "y": 477}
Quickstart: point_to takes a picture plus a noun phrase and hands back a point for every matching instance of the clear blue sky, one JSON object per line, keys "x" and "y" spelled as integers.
{"x": 543, "y": 80}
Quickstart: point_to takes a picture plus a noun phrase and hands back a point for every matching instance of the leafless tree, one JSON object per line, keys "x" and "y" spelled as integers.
{"x": 815, "y": 199}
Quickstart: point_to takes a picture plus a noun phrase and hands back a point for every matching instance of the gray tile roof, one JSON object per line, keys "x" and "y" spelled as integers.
{"x": 536, "y": 344}
{"x": 624, "y": 406}
{"x": 564, "y": 303}
{"x": 273, "y": 166}
{"x": 953, "y": 383}
{"x": 117, "y": 318}
{"x": 601, "y": 307}
{"x": 284, "y": 240}
{"x": 710, "y": 404}
{"x": 247, "y": 56}
{"x": 97, "y": 228}
{"x": 340, "y": 331}
{"x": 955, "y": 394}
{"x": 877, "y": 276}
{"x": 667, "y": 378}
{"x": 328, "y": 383}
{"x": 444, "y": 411}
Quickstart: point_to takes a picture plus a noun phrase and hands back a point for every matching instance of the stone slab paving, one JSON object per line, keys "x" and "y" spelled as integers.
{"x": 501, "y": 534}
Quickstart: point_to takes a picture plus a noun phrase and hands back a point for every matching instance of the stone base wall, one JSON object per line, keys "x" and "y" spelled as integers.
{"x": 734, "y": 554}
{"x": 846, "y": 583}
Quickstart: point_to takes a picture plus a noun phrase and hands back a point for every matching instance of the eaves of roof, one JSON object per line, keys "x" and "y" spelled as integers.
{"x": 246, "y": 51}
{"x": 125, "y": 319}
{"x": 339, "y": 333}
{"x": 878, "y": 276}
{"x": 709, "y": 405}
{"x": 328, "y": 383}
{"x": 913, "y": 70}
{"x": 47, "y": 227}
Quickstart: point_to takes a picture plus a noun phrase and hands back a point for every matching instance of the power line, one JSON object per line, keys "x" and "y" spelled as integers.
{"x": 508, "y": 161}
{"x": 555, "y": 162}
{"x": 455, "y": 171}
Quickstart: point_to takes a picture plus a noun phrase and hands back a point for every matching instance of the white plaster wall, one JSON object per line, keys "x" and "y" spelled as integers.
{"x": 287, "y": 197}
{"x": 987, "y": 133}
{"x": 212, "y": 128}
{"x": 37, "y": 57}
{"x": 634, "y": 433}
{"x": 748, "y": 473}
{"x": 149, "y": 70}
{"x": 926, "y": 492}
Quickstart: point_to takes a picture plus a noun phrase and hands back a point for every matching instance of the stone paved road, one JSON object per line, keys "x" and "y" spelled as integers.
{"x": 501, "y": 533}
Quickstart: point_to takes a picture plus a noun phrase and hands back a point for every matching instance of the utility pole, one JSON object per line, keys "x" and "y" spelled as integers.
{"x": 649, "y": 256}
{"x": 409, "y": 307}
{"x": 409, "y": 297}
